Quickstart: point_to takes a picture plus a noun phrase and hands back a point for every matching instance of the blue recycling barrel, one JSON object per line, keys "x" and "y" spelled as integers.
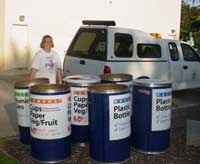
{"x": 109, "y": 123}
{"x": 79, "y": 106}
{"x": 21, "y": 90}
{"x": 152, "y": 100}
{"x": 50, "y": 122}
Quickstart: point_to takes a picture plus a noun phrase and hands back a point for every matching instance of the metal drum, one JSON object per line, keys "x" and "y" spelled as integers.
{"x": 50, "y": 122}
{"x": 22, "y": 106}
{"x": 151, "y": 121}
{"x": 109, "y": 123}
{"x": 79, "y": 105}
{"x": 120, "y": 78}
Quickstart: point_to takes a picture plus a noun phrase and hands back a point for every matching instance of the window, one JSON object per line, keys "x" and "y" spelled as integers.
{"x": 89, "y": 43}
{"x": 123, "y": 45}
{"x": 173, "y": 51}
{"x": 189, "y": 54}
{"x": 149, "y": 50}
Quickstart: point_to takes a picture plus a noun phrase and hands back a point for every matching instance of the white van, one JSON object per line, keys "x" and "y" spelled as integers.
{"x": 99, "y": 48}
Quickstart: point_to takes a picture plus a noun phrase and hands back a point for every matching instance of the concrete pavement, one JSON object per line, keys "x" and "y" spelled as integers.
{"x": 186, "y": 98}
{"x": 8, "y": 120}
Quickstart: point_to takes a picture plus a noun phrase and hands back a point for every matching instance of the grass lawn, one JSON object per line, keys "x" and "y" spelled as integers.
{"x": 7, "y": 159}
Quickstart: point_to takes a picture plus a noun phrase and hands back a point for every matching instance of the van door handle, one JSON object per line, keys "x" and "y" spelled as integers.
{"x": 82, "y": 62}
{"x": 185, "y": 67}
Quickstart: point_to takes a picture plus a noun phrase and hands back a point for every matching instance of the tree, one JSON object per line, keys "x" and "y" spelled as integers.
{"x": 191, "y": 2}
{"x": 190, "y": 22}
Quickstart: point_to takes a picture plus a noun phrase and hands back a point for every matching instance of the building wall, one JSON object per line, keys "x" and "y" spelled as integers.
{"x": 2, "y": 7}
{"x": 62, "y": 18}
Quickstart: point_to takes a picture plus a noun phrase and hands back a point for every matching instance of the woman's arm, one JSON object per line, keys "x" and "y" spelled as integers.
{"x": 59, "y": 75}
{"x": 33, "y": 73}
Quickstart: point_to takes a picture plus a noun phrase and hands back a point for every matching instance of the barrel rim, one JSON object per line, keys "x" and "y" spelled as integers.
{"x": 82, "y": 80}
{"x": 49, "y": 88}
{"x": 30, "y": 82}
{"x": 108, "y": 88}
{"x": 152, "y": 83}
{"x": 81, "y": 84}
{"x": 118, "y": 77}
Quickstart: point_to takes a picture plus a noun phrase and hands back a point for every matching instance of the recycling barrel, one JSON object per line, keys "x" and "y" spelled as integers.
{"x": 21, "y": 89}
{"x": 109, "y": 123}
{"x": 50, "y": 122}
{"x": 119, "y": 78}
{"x": 79, "y": 105}
{"x": 152, "y": 100}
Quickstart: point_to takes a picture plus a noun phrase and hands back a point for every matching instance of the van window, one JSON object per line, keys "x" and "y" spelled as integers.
{"x": 173, "y": 51}
{"x": 123, "y": 45}
{"x": 89, "y": 43}
{"x": 188, "y": 53}
{"x": 149, "y": 50}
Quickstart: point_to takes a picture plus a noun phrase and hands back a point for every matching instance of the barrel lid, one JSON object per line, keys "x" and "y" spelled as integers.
{"x": 152, "y": 82}
{"x": 82, "y": 80}
{"x": 116, "y": 77}
{"x": 49, "y": 88}
{"x": 26, "y": 83}
{"x": 108, "y": 88}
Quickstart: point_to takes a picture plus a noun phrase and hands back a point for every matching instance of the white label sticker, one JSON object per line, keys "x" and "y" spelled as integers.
{"x": 50, "y": 116}
{"x": 22, "y": 107}
{"x": 119, "y": 116}
{"x": 129, "y": 84}
{"x": 161, "y": 109}
{"x": 79, "y": 105}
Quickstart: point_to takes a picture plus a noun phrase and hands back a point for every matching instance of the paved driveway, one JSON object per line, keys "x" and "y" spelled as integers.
{"x": 8, "y": 120}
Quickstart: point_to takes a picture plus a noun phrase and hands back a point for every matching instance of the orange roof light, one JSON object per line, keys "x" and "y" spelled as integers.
{"x": 156, "y": 35}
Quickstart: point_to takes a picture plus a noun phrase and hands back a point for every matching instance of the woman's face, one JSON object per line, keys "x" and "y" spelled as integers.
{"x": 48, "y": 44}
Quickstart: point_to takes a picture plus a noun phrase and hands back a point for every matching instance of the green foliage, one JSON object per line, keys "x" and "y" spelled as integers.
{"x": 6, "y": 159}
{"x": 190, "y": 22}
{"x": 191, "y": 2}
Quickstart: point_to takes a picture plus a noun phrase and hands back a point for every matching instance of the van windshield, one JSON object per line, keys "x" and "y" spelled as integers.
{"x": 90, "y": 44}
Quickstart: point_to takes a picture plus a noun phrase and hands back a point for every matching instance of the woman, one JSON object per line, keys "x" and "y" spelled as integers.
{"x": 46, "y": 62}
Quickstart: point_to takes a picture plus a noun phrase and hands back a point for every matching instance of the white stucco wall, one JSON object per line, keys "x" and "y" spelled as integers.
{"x": 62, "y": 18}
{"x": 1, "y": 34}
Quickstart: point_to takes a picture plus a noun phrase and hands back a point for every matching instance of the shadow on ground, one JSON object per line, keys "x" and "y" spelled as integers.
{"x": 12, "y": 114}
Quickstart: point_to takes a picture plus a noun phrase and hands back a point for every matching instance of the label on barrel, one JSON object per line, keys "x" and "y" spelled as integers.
{"x": 161, "y": 109}
{"x": 119, "y": 116}
{"x": 22, "y": 107}
{"x": 79, "y": 105}
{"x": 129, "y": 84}
{"x": 50, "y": 116}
